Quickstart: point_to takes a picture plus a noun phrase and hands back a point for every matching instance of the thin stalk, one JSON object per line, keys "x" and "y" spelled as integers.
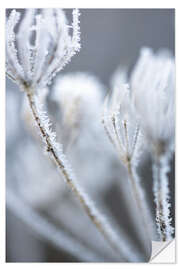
{"x": 139, "y": 197}
{"x": 134, "y": 180}
{"x": 161, "y": 198}
{"x": 158, "y": 201}
{"x": 137, "y": 190}
{"x": 52, "y": 147}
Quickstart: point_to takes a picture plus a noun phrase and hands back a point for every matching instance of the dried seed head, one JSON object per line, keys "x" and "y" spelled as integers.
{"x": 79, "y": 96}
{"x": 41, "y": 47}
{"x": 120, "y": 121}
{"x": 153, "y": 84}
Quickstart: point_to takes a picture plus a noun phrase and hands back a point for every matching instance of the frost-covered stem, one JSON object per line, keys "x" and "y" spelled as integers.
{"x": 52, "y": 147}
{"x": 139, "y": 197}
{"x": 161, "y": 197}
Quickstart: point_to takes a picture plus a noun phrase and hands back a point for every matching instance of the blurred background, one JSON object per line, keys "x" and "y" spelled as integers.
{"x": 36, "y": 208}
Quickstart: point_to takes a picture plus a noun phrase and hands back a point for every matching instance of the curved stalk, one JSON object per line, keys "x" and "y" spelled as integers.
{"x": 59, "y": 158}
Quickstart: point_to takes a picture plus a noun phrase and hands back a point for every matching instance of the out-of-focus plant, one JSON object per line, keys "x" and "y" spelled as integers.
{"x": 142, "y": 113}
{"x": 79, "y": 97}
{"x": 40, "y": 49}
{"x": 153, "y": 86}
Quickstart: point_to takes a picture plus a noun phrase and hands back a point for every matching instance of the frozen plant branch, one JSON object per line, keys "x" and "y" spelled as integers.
{"x": 32, "y": 66}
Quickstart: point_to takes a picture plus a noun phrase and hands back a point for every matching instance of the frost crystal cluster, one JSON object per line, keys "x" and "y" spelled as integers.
{"x": 42, "y": 46}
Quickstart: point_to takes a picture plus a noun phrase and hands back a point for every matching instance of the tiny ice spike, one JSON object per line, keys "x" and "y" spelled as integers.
{"x": 153, "y": 85}
{"x": 41, "y": 47}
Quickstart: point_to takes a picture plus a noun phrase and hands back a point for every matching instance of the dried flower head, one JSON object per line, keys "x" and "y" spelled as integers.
{"x": 153, "y": 85}
{"x": 79, "y": 96}
{"x": 120, "y": 122}
{"x": 41, "y": 47}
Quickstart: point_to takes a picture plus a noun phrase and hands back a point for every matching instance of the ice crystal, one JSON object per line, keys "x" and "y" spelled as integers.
{"x": 41, "y": 47}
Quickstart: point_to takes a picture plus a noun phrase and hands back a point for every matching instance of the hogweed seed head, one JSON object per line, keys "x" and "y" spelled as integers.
{"x": 153, "y": 85}
{"x": 120, "y": 122}
{"x": 41, "y": 47}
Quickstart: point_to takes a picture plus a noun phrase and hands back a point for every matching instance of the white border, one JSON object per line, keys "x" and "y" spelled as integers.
{"x": 2, "y": 137}
{"x": 70, "y": 4}
{"x": 89, "y": 4}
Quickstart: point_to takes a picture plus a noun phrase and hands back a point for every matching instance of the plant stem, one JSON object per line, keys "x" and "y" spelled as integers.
{"x": 134, "y": 179}
{"x": 65, "y": 169}
{"x": 139, "y": 198}
{"x": 161, "y": 198}
{"x": 158, "y": 201}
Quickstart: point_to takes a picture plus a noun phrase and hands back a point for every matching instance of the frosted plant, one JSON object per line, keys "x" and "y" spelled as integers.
{"x": 124, "y": 132}
{"x": 153, "y": 85}
{"x": 42, "y": 46}
{"x": 32, "y": 61}
{"x": 79, "y": 96}
{"x": 78, "y": 99}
